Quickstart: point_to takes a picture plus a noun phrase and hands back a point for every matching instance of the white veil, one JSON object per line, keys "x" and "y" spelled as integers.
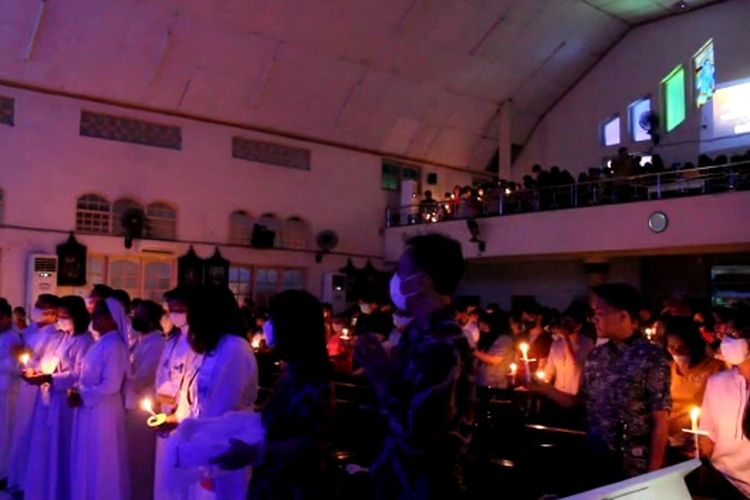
{"x": 120, "y": 318}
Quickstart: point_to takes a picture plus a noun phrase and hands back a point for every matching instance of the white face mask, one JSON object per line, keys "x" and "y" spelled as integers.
{"x": 65, "y": 325}
{"x": 398, "y": 298}
{"x": 401, "y": 322}
{"x": 365, "y": 308}
{"x": 37, "y": 315}
{"x": 734, "y": 351}
{"x": 178, "y": 319}
{"x": 268, "y": 334}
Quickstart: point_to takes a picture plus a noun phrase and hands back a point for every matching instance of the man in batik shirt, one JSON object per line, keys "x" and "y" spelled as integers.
{"x": 426, "y": 388}
{"x": 625, "y": 389}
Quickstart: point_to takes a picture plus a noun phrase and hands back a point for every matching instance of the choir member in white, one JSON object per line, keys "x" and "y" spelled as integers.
{"x": 148, "y": 345}
{"x": 99, "y": 455}
{"x": 42, "y": 330}
{"x": 47, "y": 473}
{"x": 10, "y": 349}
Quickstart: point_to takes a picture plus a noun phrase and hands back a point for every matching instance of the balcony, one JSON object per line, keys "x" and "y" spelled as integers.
{"x": 706, "y": 209}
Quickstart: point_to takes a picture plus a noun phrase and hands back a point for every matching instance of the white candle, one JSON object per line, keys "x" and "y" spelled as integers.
{"x": 513, "y": 371}
{"x": 540, "y": 374}
{"x": 695, "y": 413}
{"x": 524, "y": 347}
{"x": 24, "y": 359}
{"x": 345, "y": 335}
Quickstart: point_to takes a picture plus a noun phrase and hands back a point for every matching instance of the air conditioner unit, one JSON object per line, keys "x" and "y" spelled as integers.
{"x": 41, "y": 277}
{"x": 334, "y": 291}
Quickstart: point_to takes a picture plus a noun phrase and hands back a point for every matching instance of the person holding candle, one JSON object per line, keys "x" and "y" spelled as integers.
{"x": 625, "y": 390}
{"x": 10, "y": 346}
{"x": 42, "y": 330}
{"x": 691, "y": 369}
{"x": 494, "y": 353}
{"x": 171, "y": 370}
{"x": 99, "y": 465}
{"x": 144, "y": 362}
{"x": 48, "y": 471}
{"x": 221, "y": 377}
{"x": 294, "y": 461}
{"x": 725, "y": 420}
{"x": 569, "y": 350}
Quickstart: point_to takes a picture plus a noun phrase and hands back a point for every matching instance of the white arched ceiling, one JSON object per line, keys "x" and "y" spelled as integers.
{"x": 421, "y": 78}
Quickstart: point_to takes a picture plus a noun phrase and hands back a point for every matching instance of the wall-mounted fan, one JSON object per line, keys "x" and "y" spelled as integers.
{"x": 132, "y": 222}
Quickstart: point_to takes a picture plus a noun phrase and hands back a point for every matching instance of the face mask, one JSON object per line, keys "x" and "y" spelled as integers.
{"x": 734, "y": 351}
{"x": 178, "y": 319}
{"x": 140, "y": 325}
{"x": 365, "y": 308}
{"x": 37, "y": 315}
{"x": 401, "y": 321}
{"x": 399, "y": 299}
{"x": 338, "y": 327}
{"x": 681, "y": 360}
{"x": 268, "y": 334}
{"x": 65, "y": 325}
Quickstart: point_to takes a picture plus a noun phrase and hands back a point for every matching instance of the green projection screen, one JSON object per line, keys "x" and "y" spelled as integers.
{"x": 673, "y": 95}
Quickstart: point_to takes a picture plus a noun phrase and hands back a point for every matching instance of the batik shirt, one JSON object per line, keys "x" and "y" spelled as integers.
{"x": 429, "y": 406}
{"x": 623, "y": 384}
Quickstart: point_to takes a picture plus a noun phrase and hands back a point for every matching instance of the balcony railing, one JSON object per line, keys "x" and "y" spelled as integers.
{"x": 499, "y": 200}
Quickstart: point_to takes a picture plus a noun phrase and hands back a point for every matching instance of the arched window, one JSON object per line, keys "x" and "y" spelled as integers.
{"x": 272, "y": 223}
{"x": 296, "y": 234}
{"x": 161, "y": 221}
{"x": 118, "y": 209}
{"x": 240, "y": 228}
{"x": 93, "y": 214}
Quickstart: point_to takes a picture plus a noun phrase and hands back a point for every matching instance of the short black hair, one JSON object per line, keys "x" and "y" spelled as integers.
{"x": 122, "y": 297}
{"x": 299, "y": 330}
{"x": 579, "y": 311}
{"x": 687, "y": 330}
{"x": 154, "y": 311}
{"x": 20, "y": 310}
{"x": 441, "y": 258}
{"x": 213, "y": 314}
{"x": 5, "y": 309}
{"x": 101, "y": 290}
{"x": 76, "y": 307}
{"x": 621, "y": 296}
{"x": 182, "y": 294}
{"x": 48, "y": 300}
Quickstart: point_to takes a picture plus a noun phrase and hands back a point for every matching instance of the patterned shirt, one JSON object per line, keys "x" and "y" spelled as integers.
{"x": 623, "y": 384}
{"x": 430, "y": 411}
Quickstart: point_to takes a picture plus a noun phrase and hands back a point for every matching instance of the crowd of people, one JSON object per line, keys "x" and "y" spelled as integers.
{"x": 78, "y": 383}
{"x": 557, "y": 188}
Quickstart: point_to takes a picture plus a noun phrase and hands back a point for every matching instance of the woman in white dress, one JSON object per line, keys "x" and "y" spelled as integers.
{"x": 221, "y": 378}
{"x": 48, "y": 472}
{"x": 10, "y": 344}
{"x": 43, "y": 329}
{"x": 144, "y": 361}
{"x": 99, "y": 466}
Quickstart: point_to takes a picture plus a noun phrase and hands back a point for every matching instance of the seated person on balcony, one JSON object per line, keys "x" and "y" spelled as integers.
{"x": 428, "y": 207}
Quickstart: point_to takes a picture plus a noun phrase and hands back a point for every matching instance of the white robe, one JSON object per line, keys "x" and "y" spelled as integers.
{"x": 224, "y": 380}
{"x": 99, "y": 465}
{"x": 144, "y": 361}
{"x": 169, "y": 376}
{"x": 10, "y": 378}
{"x": 35, "y": 339}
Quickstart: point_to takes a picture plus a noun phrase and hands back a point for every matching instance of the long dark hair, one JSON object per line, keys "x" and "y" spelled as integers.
{"x": 213, "y": 314}
{"x": 299, "y": 331}
{"x": 76, "y": 307}
{"x": 687, "y": 330}
{"x": 499, "y": 325}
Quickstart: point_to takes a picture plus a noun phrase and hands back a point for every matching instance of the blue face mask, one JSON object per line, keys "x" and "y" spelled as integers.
{"x": 268, "y": 333}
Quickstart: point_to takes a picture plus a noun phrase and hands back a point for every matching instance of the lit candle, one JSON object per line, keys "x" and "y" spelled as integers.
{"x": 156, "y": 419}
{"x": 695, "y": 413}
{"x": 524, "y": 347}
{"x": 513, "y": 371}
{"x": 650, "y": 333}
{"x": 345, "y": 335}
{"x": 24, "y": 359}
{"x": 507, "y": 190}
{"x": 146, "y": 405}
{"x": 540, "y": 374}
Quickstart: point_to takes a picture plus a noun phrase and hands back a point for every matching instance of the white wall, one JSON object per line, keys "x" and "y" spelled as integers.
{"x": 45, "y": 165}
{"x": 569, "y": 135}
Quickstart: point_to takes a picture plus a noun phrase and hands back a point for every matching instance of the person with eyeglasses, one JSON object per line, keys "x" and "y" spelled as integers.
{"x": 725, "y": 421}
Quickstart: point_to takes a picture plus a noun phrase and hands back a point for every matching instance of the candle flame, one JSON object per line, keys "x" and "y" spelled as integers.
{"x": 540, "y": 374}
{"x": 524, "y": 347}
{"x": 146, "y": 405}
{"x": 24, "y": 358}
{"x": 695, "y": 413}
{"x": 513, "y": 368}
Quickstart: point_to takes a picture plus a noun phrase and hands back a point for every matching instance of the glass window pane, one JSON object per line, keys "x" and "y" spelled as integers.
{"x": 611, "y": 132}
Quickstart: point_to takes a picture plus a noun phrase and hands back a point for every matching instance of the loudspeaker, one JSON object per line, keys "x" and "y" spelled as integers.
{"x": 262, "y": 237}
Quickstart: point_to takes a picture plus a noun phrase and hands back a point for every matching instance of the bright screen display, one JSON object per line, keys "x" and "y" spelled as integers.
{"x": 705, "y": 73}
{"x": 611, "y": 132}
{"x": 637, "y": 109}
{"x": 673, "y": 93}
